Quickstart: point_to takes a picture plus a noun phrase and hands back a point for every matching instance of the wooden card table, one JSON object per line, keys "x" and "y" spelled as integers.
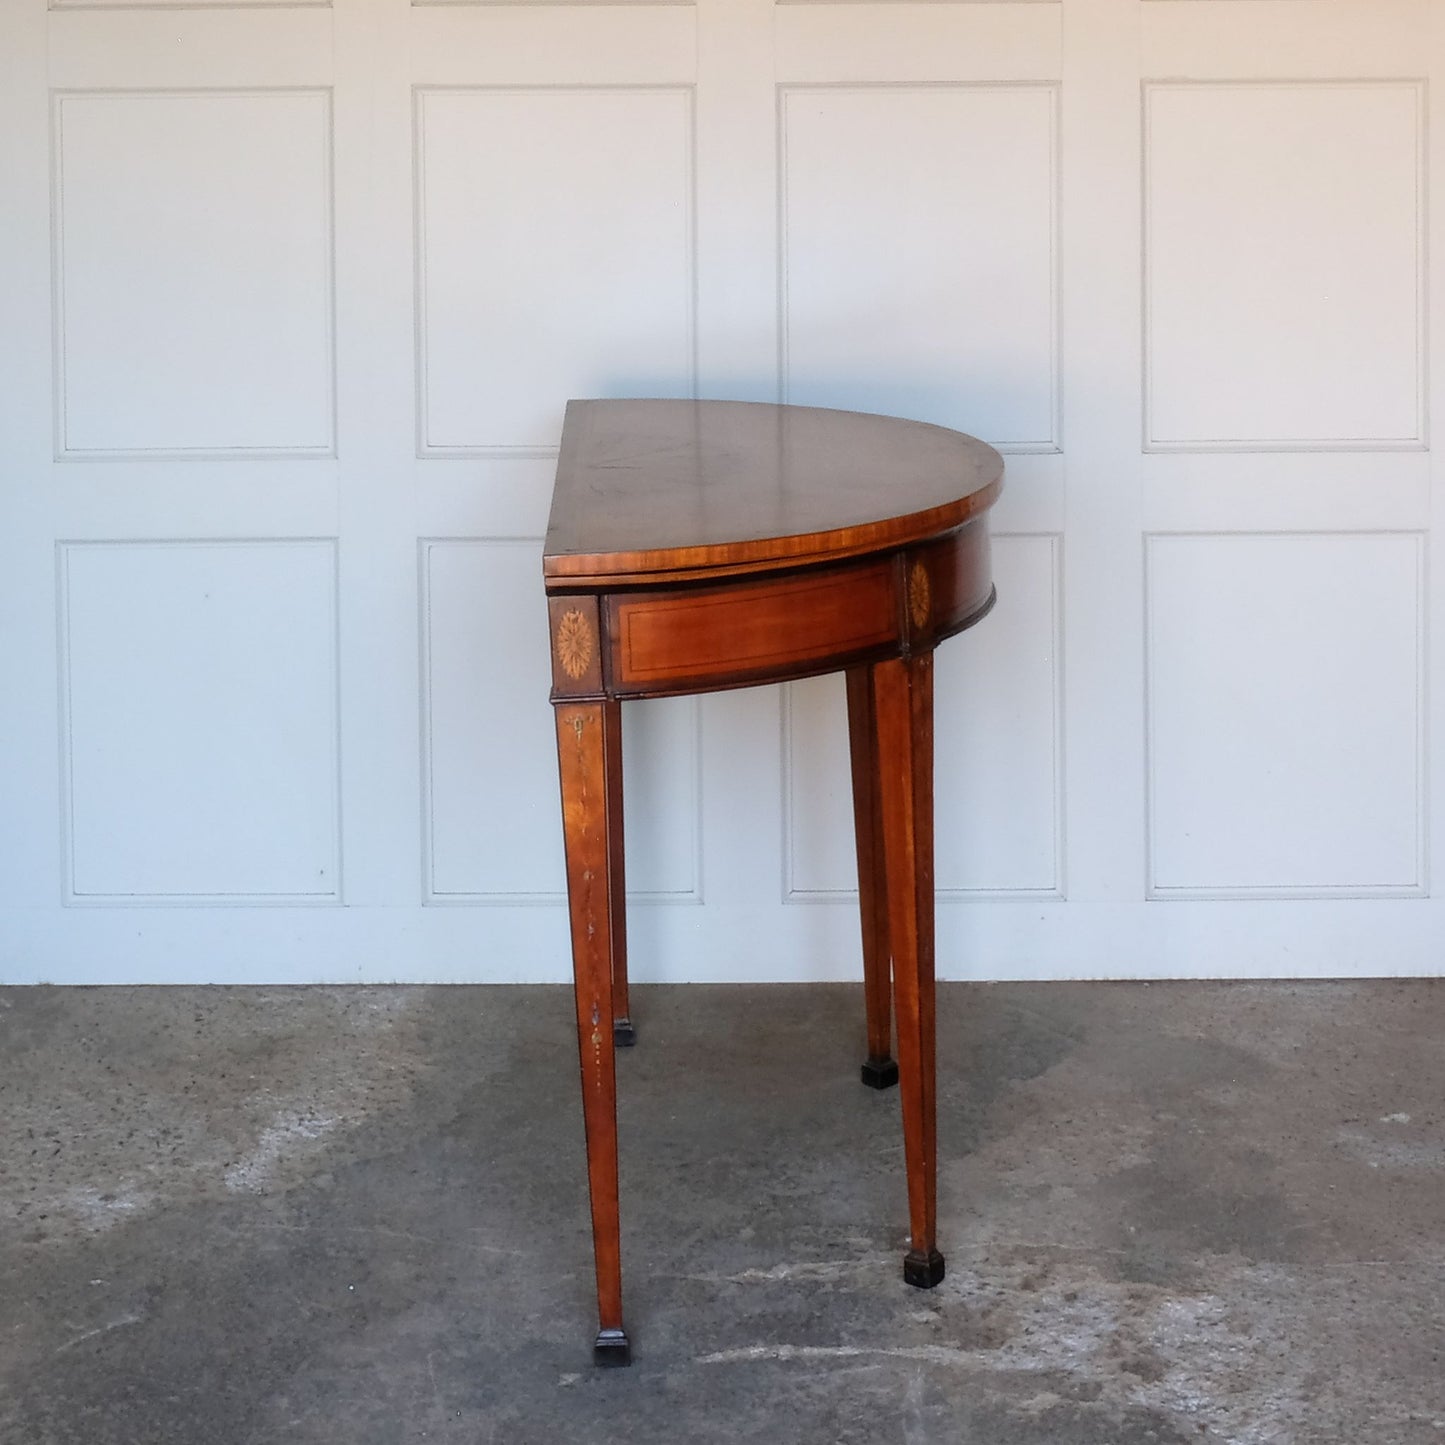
{"x": 695, "y": 546}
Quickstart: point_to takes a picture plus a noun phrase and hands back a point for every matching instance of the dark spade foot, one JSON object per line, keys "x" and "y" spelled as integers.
{"x": 611, "y": 1348}
{"x": 923, "y": 1271}
{"x": 880, "y": 1073}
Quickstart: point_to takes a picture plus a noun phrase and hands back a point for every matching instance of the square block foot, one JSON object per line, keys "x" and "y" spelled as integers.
{"x": 611, "y": 1348}
{"x": 880, "y": 1073}
{"x": 923, "y": 1271}
{"x": 623, "y": 1034}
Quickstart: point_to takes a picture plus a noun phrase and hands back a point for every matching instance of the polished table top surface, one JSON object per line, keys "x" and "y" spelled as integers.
{"x": 655, "y": 491}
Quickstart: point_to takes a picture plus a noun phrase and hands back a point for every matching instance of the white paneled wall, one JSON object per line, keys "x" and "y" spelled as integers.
{"x": 1292, "y": 667}
{"x": 198, "y": 721}
{"x": 883, "y": 236}
{"x": 1308, "y": 330}
{"x": 554, "y": 228}
{"x": 192, "y": 239}
{"x": 293, "y": 295}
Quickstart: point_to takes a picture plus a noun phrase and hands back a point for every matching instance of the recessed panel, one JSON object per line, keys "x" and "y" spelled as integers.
{"x": 996, "y": 772}
{"x": 554, "y": 257}
{"x": 1285, "y": 683}
{"x": 535, "y": 3}
{"x": 493, "y": 815}
{"x": 918, "y": 255}
{"x": 199, "y": 731}
{"x": 193, "y": 273}
{"x": 1284, "y": 265}
{"x": 189, "y": 4}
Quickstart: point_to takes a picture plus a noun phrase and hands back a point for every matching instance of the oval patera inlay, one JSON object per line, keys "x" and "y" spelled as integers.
{"x": 574, "y": 643}
{"x": 919, "y": 600}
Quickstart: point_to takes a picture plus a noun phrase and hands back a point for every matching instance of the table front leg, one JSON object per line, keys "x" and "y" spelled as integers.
{"x": 879, "y": 1070}
{"x": 623, "y": 1032}
{"x": 903, "y": 711}
{"x": 584, "y": 754}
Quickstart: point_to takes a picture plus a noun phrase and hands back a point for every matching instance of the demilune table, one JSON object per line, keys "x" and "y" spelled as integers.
{"x": 701, "y": 545}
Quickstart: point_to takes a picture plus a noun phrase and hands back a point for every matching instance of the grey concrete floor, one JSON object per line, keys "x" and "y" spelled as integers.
{"x": 1178, "y": 1212}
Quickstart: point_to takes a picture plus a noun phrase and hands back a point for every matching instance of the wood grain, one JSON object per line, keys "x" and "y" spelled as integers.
{"x": 903, "y": 708}
{"x": 582, "y": 754}
{"x": 713, "y": 636}
{"x": 650, "y": 490}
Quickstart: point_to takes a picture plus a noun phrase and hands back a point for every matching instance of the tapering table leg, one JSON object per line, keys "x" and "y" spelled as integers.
{"x": 879, "y": 1069}
{"x": 585, "y": 751}
{"x": 903, "y": 709}
{"x": 623, "y": 1032}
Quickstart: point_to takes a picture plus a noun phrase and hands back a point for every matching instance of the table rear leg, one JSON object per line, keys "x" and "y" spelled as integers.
{"x": 903, "y": 704}
{"x": 623, "y": 1032}
{"x": 879, "y": 1069}
{"x": 584, "y": 754}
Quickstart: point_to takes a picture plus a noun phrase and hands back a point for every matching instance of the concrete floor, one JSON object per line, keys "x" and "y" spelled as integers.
{"x": 1171, "y": 1213}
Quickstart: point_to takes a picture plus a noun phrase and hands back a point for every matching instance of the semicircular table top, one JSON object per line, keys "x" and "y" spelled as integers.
{"x": 658, "y": 488}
